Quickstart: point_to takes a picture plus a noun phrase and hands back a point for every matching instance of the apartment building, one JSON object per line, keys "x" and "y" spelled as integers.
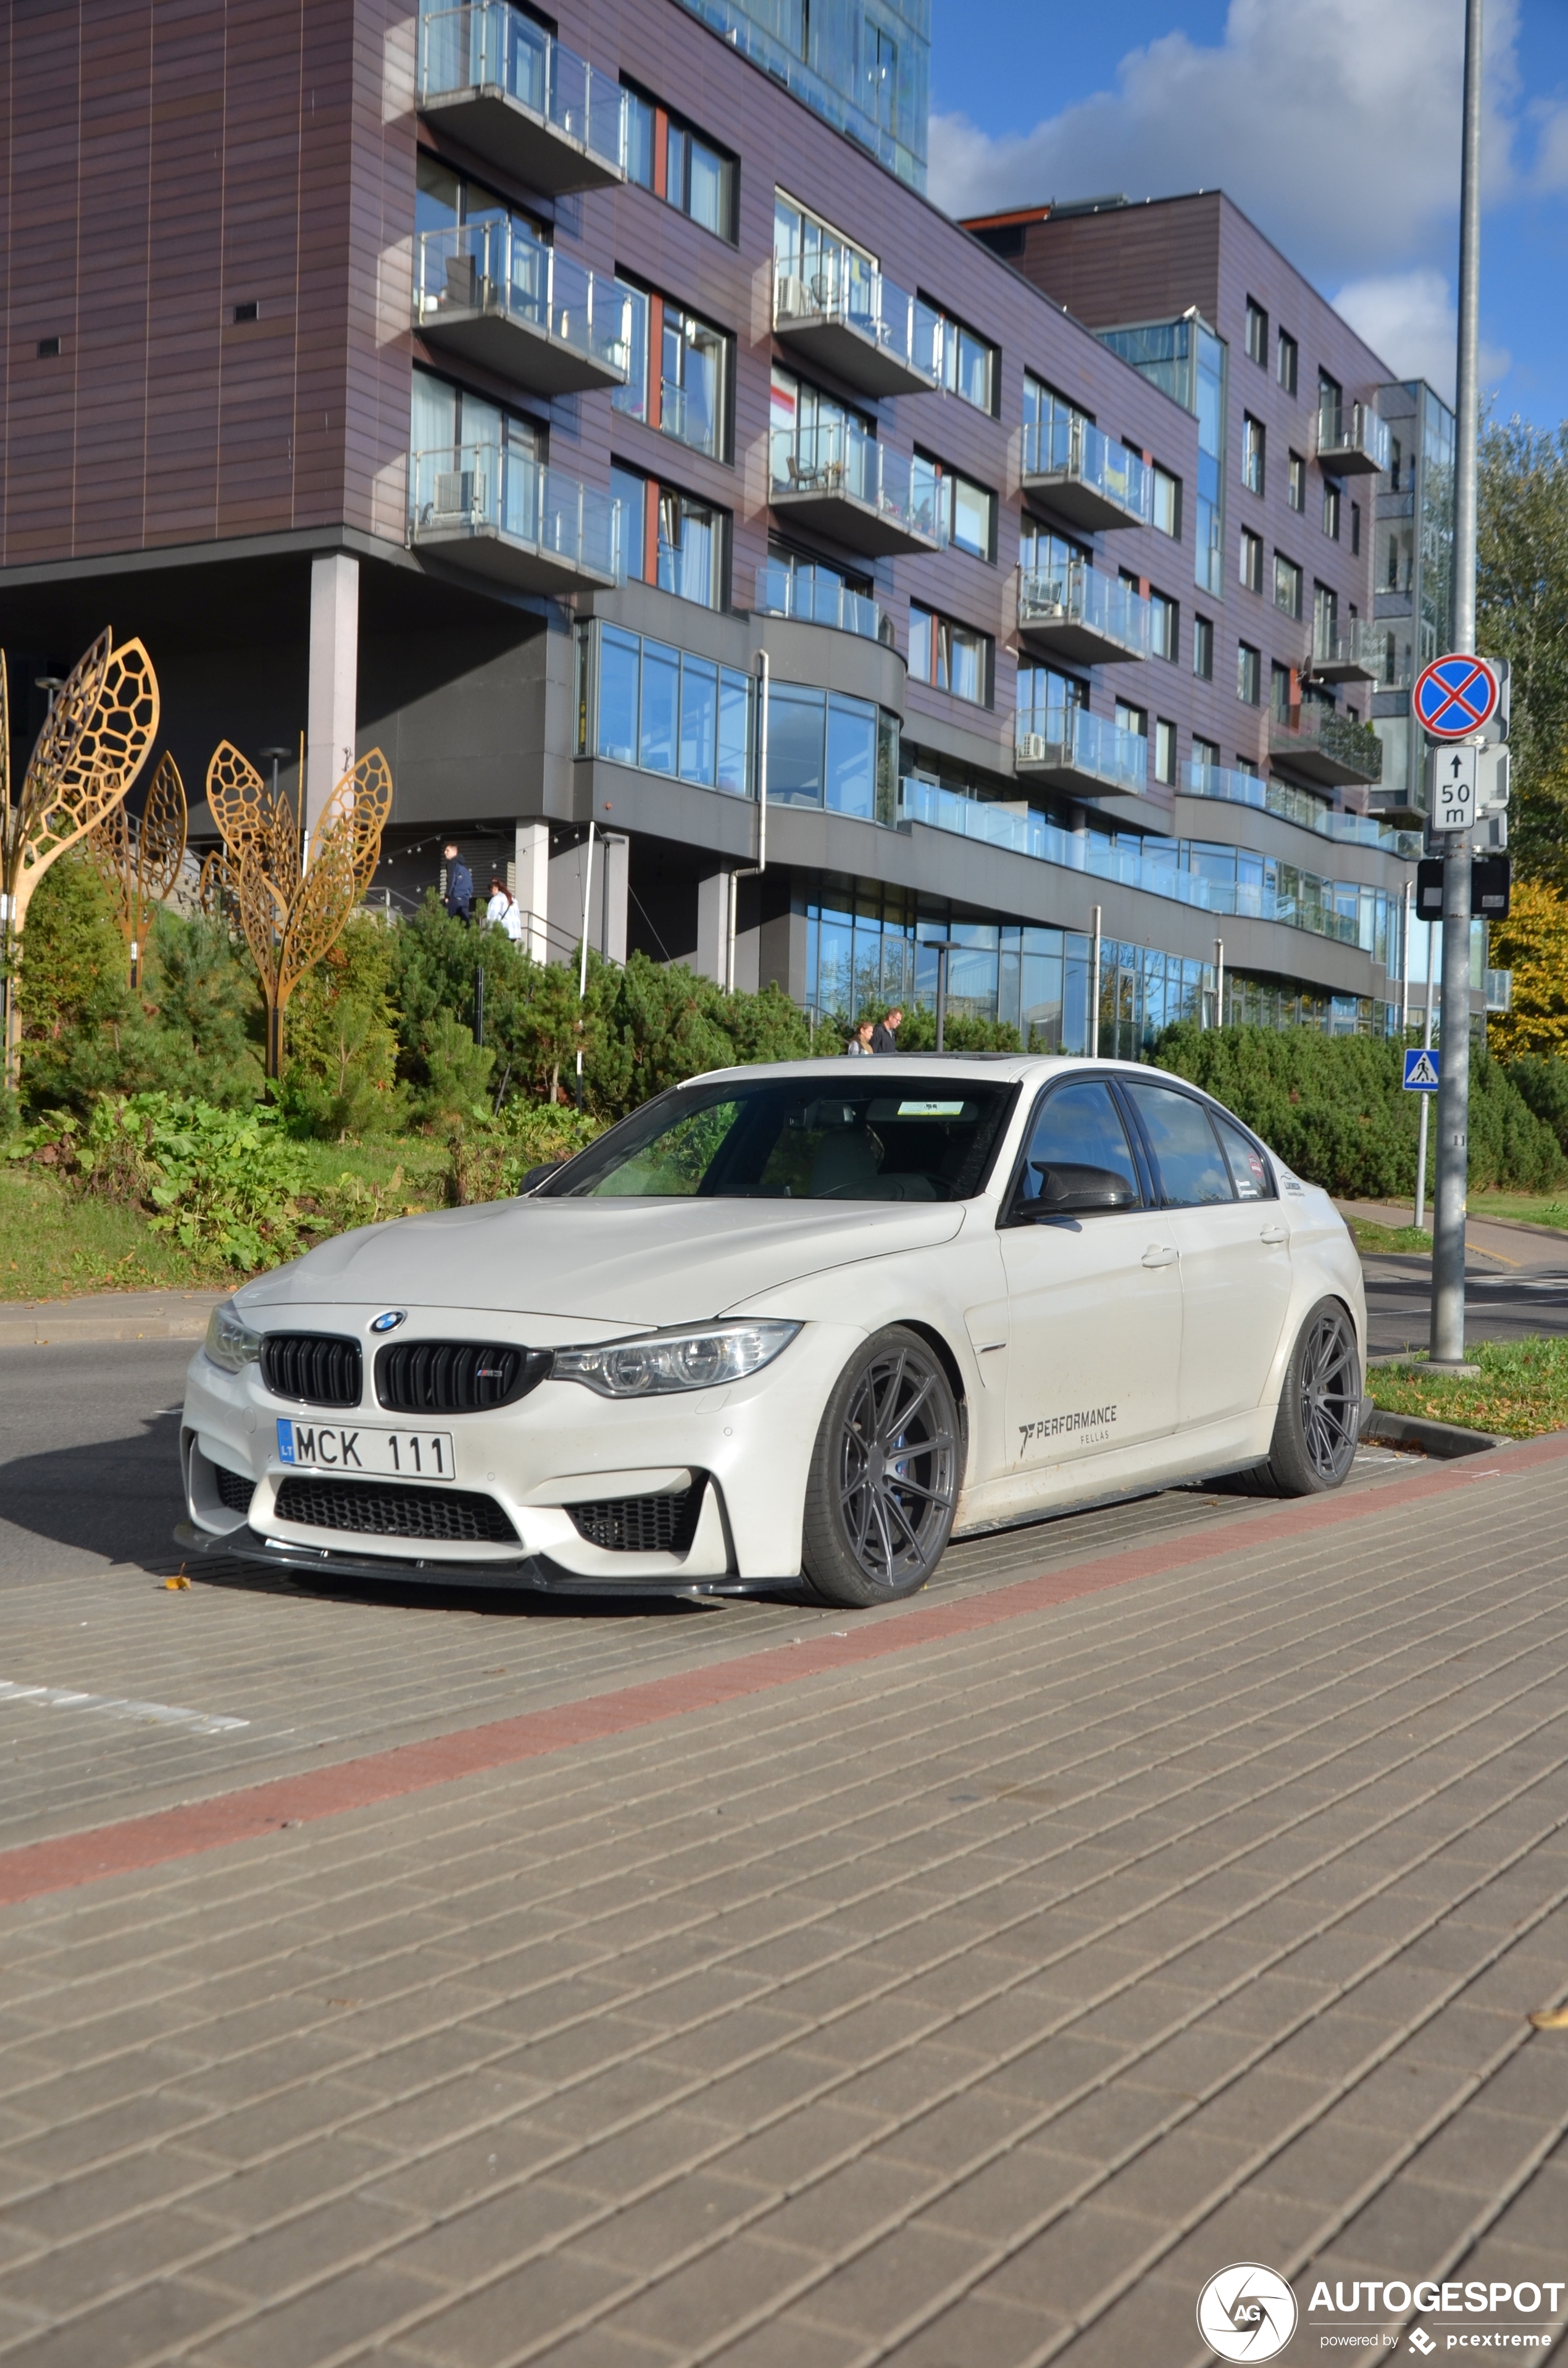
{"x": 724, "y": 546}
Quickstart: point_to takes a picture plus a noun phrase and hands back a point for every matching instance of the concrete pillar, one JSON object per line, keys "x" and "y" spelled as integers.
{"x": 613, "y": 865}
{"x": 331, "y": 719}
{"x": 712, "y": 926}
{"x": 532, "y": 889}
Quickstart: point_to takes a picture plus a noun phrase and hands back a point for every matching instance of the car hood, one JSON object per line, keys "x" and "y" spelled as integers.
{"x": 632, "y": 1262}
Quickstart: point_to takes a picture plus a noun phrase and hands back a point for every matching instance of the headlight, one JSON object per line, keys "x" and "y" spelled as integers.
{"x": 674, "y": 1361}
{"x": 230, "y": 1342}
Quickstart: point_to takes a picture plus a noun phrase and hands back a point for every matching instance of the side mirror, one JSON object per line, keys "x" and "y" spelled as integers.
{"x": 534, "y": 1177}
{"x": 1068, "y": 1190}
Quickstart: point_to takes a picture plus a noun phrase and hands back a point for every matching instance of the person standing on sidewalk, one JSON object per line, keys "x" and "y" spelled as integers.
{"x": 502, "y": 910}
{"x": 860, "y": 1043}
{"x": 884, "y": 1035}
{"x": 459, "y": 898}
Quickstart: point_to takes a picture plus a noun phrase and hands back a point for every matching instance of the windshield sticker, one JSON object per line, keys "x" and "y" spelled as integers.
{"x": 930, "y": 1110}
{"x": 1088, "y": 1426}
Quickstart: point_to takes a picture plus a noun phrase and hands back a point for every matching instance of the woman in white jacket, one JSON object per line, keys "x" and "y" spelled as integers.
{"x": 501, "y": 913}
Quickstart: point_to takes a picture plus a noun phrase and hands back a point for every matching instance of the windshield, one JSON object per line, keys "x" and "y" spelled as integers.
{"x": 890, "y": 1138}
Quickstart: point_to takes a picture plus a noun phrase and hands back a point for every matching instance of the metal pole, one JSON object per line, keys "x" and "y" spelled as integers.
{"x": 479, "y": 1003}
{"x": 1219, "y": 982}
{"x": 941, "y": 999}
{"x": 1425, "y": 1099}
{"x": 1095, "y": 989}
{"x": 1404, "y": 965}
{"x": 582, "y": 966}
{"x": 1453, "y": 1092}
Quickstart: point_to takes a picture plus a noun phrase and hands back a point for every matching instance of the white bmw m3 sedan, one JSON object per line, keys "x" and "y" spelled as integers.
{"x": 800, "y": 1322}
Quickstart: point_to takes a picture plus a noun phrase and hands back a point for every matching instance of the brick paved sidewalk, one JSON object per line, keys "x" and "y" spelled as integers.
{"x": 964, "y": 2005}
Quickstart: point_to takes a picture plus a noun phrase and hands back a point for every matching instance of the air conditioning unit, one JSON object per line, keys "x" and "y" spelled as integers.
{"x": 459, "y": 492}
{"x": 1031, "y": 749}
{"x": 791, "y": 302}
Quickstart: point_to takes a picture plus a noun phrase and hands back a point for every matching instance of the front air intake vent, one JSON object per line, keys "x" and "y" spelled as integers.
{"x": 456, "y": 1376}
{"x": 641, "y": 1524}
{"x": 314, "y": 1368}
{"x": 235, "y": 1491}
{"x": 448, "y": 1517}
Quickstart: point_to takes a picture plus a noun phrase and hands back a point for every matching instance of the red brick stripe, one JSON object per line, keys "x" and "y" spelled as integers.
{"x": 134, "y": 1843}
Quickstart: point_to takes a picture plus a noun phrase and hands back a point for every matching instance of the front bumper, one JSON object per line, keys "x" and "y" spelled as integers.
{"x": 534, "y": 1572}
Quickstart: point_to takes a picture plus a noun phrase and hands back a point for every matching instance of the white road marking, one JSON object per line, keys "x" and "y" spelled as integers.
{"x": 143, "y": 1713}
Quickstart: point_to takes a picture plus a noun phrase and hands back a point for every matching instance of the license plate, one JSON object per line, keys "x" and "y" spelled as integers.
{"x": 349, "y": 1447}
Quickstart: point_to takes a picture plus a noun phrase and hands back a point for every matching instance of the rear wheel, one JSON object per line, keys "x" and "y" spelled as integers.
{"x": 884, "y": 1475}
{"x": 1320, "y": 1406}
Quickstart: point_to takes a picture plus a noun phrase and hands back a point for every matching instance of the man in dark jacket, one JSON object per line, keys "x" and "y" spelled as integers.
{"x": 459, "y": 898}
{"x": 884, "y": 1035}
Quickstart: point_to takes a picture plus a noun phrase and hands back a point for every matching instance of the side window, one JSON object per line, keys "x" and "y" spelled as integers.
{"x": 1186, "y": 1154}
{"x": 1249, "y": 1169}
{"x": 1078, "y": 1160}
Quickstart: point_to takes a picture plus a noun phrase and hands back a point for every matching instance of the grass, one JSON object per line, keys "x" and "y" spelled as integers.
{"x": 57, "y": 1244}
{"x": 1532, "y": 1208}
{"x": 1522, "y": 1389}
{"x": 1384, "y": 1239}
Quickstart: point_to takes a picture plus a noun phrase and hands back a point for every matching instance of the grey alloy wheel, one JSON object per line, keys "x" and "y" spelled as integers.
{"x": 1320, "y": 1406}
{"x": 885, "y": 1474}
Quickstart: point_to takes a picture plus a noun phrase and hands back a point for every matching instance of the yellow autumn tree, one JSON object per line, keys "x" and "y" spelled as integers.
{"x": 1533, "y": 943}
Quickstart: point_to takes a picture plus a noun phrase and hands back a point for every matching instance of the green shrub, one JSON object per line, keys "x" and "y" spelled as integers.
{"x": 1334, "y": 1109}
{"x": 490, "y": 1159}
{"x": 340, "y": 1076}
{"x": 1541, "y": 1081}
{"x": 224, "y": 1183}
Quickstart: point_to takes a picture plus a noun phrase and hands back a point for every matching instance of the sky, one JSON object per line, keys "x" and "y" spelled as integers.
{"x": 1334, "y": 123}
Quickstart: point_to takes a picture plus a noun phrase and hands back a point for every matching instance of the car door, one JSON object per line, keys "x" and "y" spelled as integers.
{"x": 1219, "y": 1205}
{"x": 1094, "y": 1293}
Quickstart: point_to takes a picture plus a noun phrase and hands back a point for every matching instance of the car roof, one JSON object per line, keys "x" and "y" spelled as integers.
{"x": 989, "y": 1066}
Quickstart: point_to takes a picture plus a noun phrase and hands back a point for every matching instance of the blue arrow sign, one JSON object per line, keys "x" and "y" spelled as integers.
{"x": 1420, "y": 1070}
{"x": 1455, "y": 696}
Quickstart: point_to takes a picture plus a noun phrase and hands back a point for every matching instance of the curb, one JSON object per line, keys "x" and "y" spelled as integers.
{"x": 1445, "y": 1441}
{"x": 55, "y": 1324}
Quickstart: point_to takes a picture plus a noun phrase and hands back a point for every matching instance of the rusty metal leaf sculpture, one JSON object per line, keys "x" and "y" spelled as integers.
{"x": 139, "y": 861}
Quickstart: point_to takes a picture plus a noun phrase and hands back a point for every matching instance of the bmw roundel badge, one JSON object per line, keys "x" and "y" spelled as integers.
{"x": 390, "y": 1320}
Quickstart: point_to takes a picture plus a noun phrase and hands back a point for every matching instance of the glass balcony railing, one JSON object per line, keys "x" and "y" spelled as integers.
{"x": 1328, "y": 746}
{"x": 882, "y": 338}
{"x": 547, "y": 531}
{"x": 1295, "y": 805}
{"x": 1085, "y": 612}
{"x": 487, "y": 52}
{"x": 837, "y": 470}
{"x": 499, "y": 267}
{"x": 1352, "y": 439}
{"x": 1498, "y": 987}
{"x": 1088, "y": 478}
{"x": 1079, "y": 750}
{"x": 1024, "y": 831}
{"x": 816, "y": 595}
{"x": 1354, "y": 649}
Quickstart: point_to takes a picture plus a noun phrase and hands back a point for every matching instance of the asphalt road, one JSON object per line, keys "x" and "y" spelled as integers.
{"x": 1497, "y": 1306}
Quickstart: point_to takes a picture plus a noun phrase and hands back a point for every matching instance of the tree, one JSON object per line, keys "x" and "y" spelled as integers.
{"x": 1533, "y": 943}
{"x": 1522, "y": 615}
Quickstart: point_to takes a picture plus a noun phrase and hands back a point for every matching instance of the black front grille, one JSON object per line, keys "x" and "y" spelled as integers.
{"x": 641, "y": 1524}
{"x": 235, "y": 1491}
{"x": 456, "y": 1376}
{"x": 449, "y": 1517}
{"x": 315, "y": 1368}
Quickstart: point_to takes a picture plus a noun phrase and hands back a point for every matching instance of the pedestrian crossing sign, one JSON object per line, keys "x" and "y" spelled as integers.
{"x": 1420, "y": 1070}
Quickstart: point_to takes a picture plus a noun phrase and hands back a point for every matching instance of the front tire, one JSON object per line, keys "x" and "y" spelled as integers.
{"x": 884, "y": 1475}
{"x": 1320, "y": 1406}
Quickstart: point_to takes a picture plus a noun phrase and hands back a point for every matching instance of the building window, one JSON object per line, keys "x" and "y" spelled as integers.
{"x": 693, "y": 382}
{"x": 1325, "y": 618}
{"x": 1205, "y": 754}
{"x": 1331, "y": 509}
{"x": 1167, "y": 502}
{"x": 960, "y": 512}
{"x": 1249, "y": 674}
{"x": 1287, "y": 586}
{"x": 1397, "y": 459}
{"x": 1253, "y": 440}
{"x": 1248, "y": 764}
{"x": 964, "y": 363}
{"x": 466, "y": 449}
{"x": 665, "y": 155}
{"x": 1331, "y": 406}
{"x": 1047, "y": 700}
{"x": 1165, "y": 751}
{"x": 825, "y": 749}
{"x": 1286, "y": 361}
{"x": 1132, "y": 719}
{"x": 882, "y": 78}
{"x": 1356, "y": 530}
{"x": 1296, "y": 482}
{"x": 670, "y": 539}
{"x": 1279, "y": 692}
{"x": 666, "y": 711}
{"x": 1252, "y": 561}
{"x": 1050, "y": 556}
{"x": 1203, "y": 648}
{"x": 949, "y": 656}
{"x": 1257, "y": 332}
{"x": 1165, "y": 618}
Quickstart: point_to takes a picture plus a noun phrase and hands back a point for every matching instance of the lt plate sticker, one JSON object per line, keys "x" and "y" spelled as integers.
{"x": 388, "y": 1454}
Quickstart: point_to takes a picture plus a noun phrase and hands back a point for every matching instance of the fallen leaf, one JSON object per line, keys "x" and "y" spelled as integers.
{"x": 1552, "y": 2018}
{"x": 178, "y": 1581}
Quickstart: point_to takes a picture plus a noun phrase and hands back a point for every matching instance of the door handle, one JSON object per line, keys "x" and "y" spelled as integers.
{"x": 1274, "y": 1234}
{"x": 1159, "y": 1253}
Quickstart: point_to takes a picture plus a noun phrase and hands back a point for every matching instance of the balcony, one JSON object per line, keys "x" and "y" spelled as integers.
{"x": 499, "y": 514}
{"x": 1068, "y": 748}
{"x": 516, "y": 96}
{"x": 1084, "y": 477}
{"x": 842, "y": 483}
{"x": 816, "y": 596}
{"x": 1295, "y": 805}
{"x": 831, "y": 310}
{"x": 1356, "y": 651}
{"x": 1322, "y": 745}
{"x": 1352, "y": 440}
{"x": 492, "y": 293}
{"x": 1497, "y": 985}
{"x": 1094, "y": 618}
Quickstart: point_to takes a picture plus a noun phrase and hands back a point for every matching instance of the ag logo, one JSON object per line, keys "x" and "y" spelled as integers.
{"x": 390, "y": 1320}
{"x": 1246, "y": 2312}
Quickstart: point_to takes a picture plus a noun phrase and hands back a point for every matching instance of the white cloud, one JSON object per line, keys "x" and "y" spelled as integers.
{"x": 1334, "y": 123}
{"x": 1408, "y": 318}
